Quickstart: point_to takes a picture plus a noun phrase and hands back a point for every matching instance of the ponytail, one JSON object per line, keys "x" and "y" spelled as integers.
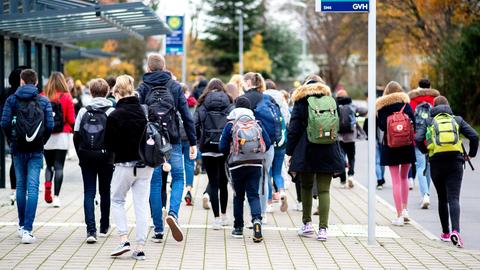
{"x": 257, "y": 81}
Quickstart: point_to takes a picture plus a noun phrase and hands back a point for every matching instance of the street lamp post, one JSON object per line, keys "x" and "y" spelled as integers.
{"x": 240, "y": 42}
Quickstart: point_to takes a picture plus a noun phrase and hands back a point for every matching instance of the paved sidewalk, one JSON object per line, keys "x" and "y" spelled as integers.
{"x": 61, "y": 235}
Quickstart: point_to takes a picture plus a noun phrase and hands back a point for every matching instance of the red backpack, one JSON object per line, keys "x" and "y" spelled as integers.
{"x": 399, "y": 129}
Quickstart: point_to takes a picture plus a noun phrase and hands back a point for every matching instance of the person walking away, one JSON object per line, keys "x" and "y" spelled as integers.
{"x": 279, "y": 148}
{"x": 421, "y": 101}
{"x": 56, "y": 147}
{"x": 27, "y": 122}
{"x": 395, "y": 117}
{"x": 441, "y": 139}
{"x": 95, "y": 161}
{"x": 14, "y": 81}
{"x": 315, "y": 152}
{"x": 244, "y": 140}
{"x": 348, "y": 133}
{"x": 214, "y": 105}
{"x": 159, "y": 90}
{"x": 187, "y": 162}
{"x": 124, "y": 132}
{"x": 268, "y": 113}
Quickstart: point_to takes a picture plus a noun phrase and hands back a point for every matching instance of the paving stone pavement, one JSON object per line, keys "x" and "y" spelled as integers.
{"x": 61, "y": 234}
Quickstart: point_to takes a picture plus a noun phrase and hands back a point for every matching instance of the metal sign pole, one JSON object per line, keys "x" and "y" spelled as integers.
{"x": 372, "y": 66}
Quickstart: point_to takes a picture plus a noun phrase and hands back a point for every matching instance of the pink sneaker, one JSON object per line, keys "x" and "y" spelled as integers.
{"x": 456, "y": 239}
{"x": 306, "y": 230}
{"x": 322, "y": 234}
{"x": 445, "y": 237}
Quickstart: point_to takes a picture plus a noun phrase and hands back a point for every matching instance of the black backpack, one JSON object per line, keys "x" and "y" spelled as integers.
{"x": 213, "y": 118}
{"x": 422, "y": 114}
{"x": 58, "y": 120}
{"x": 92, "y": 132}
{"x": 28, "y": 124}
{"x": 161, "y": 110}
{"x": 154, "y": 148}
{"x": 347, "y": 117}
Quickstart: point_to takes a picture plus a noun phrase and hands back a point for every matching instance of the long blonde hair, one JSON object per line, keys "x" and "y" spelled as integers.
{"x": 124, "y": 86}
{"x": 237, "y": 80}
{"x": 56, "y": 83}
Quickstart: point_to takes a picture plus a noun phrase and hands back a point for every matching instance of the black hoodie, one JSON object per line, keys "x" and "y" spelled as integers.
{"x": 163, "y": 78}
{"x": 464, "y": 128}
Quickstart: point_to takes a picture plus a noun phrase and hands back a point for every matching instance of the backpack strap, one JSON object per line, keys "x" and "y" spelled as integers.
{"x": 403, "y": 108}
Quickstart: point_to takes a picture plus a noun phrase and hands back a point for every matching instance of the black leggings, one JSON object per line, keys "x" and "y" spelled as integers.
{"x": 55, "y": 160}
{"x": 349, "y": 150}
{"x": 13, "y": 177}
{"x": 217, "y": 180}
{"x": 447, "y": 177}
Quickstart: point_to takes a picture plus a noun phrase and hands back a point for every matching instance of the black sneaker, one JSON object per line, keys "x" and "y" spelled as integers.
{"x": 120, "y": 249}
{"x": 257, "y": 231}
{"x": 175, "y": 228}
{"x": 237, "y": 233}
{"x": 188, "y": 198}
{"x": 91, "y": 238}
{"x": 157, "y": 237}
{"x": 138, "y": 255}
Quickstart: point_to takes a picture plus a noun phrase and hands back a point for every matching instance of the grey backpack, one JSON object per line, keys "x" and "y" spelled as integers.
{"x": 247, "y": 142}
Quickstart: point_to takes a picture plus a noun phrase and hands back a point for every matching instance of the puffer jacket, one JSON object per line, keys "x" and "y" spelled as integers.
{"x": 420, "y": 95}
{"x": 309, "y": 157}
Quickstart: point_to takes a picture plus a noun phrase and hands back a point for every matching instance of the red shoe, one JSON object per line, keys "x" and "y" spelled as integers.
{"x": 48, "y": 192}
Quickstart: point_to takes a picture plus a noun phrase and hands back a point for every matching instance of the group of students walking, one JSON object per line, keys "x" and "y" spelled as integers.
{"x": 245, "y": 133}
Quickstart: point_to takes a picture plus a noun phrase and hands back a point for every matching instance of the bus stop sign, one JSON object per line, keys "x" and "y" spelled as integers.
{"x": 342, "y": 6}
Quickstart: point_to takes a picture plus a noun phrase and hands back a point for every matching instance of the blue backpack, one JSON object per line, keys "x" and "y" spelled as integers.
{"x": 269, "y": 114}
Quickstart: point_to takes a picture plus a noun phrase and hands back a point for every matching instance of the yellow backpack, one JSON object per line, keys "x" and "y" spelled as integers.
{"x": 443, "y": 135}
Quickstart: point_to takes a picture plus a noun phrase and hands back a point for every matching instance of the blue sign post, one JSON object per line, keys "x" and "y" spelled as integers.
{"x": 342, "y": 6}
{"x": 174, "y": 40}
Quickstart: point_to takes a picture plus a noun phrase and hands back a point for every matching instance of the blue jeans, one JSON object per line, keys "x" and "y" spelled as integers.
{"x": 27, "y": 169}
{"x": 379, "y": 170}
{"x": 188, "y": 163}
{"x": 245, "y": 180}
{"x": 176, "y": 160}
{"x": 276, "y": 171}
{"x": 423, "y": 180}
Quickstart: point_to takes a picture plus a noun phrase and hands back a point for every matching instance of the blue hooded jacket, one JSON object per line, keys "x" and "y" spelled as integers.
{"x": 163, "y": 78}
{"x": 26, "y": 92}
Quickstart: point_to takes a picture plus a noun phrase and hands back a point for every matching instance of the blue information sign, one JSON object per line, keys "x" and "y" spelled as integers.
{"x": 174, "y": 41}
{"x": 342, "y": 6}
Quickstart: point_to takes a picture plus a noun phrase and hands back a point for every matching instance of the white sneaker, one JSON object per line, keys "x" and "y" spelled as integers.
{"x": 205, "y": 201}
{"x": 28, "y": 238}
{"x": 283, "y": 202}
{"x": 20, "y": 232}
{"x": 299, "y": 207}
{"x": 343, "y": 185}
{"x": 225, "y": 221}
{"x": 269, "y": 208}
{"x": 425, "y": 202}
{"x": 398, "y": 221}
{"x": 350, "y": 182}
{"x": 13, "y": 198}
{"x": 405, "y": 216}
{"x": 264, "y": 219}
{"x": 56, "y": 202}
{"x": 217, "y": 224}
{"x": 410, "y": 183}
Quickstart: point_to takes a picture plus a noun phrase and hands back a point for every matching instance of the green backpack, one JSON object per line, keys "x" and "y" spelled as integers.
{"x": 443, "y": 135}
{"x": 323, "y": 120}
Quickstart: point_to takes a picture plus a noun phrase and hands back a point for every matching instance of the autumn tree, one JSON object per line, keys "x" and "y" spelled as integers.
{"x": 333, "y": 38}
{"x": 256, "y": 59}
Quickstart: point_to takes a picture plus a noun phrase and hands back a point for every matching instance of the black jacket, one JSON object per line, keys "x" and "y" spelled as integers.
{"x": 214, "y": 101}
{"x": 464, "y": 128}
{"x": 386, "y": 106}
{"x": 254, "y": 97}
{"x": 125, "y": 127}
{"x": 308, "y": 157}
{"x": 163, "y": 78}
